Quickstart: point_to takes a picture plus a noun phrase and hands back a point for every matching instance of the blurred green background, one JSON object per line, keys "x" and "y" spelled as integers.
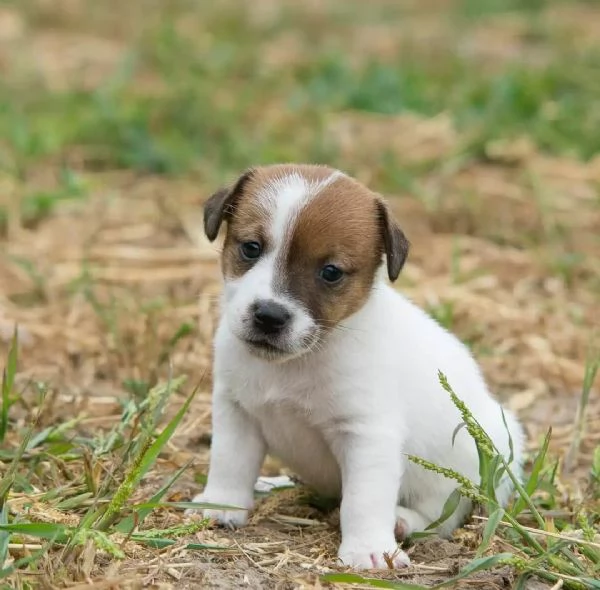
{"x": 212, "y": 87}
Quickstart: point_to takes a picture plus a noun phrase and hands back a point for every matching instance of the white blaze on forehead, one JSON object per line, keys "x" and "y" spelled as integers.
{"x": 286, "y": 196}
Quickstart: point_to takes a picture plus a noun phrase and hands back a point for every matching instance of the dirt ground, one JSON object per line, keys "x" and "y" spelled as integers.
{"x": 510, "y": 267}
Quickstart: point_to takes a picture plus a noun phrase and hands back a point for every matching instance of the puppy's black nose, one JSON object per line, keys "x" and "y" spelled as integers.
{"x": 270, "y": 317}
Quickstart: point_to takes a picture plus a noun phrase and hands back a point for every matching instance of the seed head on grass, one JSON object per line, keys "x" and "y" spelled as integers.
{"x": 583, "y": 521}
{"x": 146, "y": 451}
{"x": 467, "y": 488}
{"x": 125, "y": 490}
{"x": 176, "y": 531}
{"x": 484, "y": 442}
{"x": 156, "y": 401}
{"x": 100, "y": 540}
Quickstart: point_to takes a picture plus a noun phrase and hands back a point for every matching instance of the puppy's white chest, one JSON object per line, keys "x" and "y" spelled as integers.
{"x": 293, "y": 430}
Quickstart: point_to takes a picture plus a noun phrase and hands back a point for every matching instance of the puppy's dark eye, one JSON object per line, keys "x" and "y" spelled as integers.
{"x": 331, "y": 274}
{"x": 250, "y": 250}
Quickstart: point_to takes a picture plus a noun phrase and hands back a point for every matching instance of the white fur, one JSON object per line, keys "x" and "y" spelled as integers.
{"x": 345, "y": 417}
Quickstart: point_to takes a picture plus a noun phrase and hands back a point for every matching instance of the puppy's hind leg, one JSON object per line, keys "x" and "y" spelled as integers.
{"x": 408, "y": 522}
{"x": 416, "y": 519}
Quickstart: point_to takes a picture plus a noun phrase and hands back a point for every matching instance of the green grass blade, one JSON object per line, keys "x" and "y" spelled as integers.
{"x": 184, "y": 330}
{"x": 448, "y": 510}
{"x": 531, "y": 485}
{"x": 6, "y": 388}
{"x": 75, "y": 501}
{"x": 477, "y": 565}
{"x": 202, "y": 546}
{"x": 495, "y": 467}
{"x": 4, "y": 535}
{"x": 591, "y": 370}
{"x": 201, "y": 505}
{"x": 489, "y": 531}
{"x": 161, "y": 440}
{"x": 50, "y": 433}
{"x": 41, "y": 530}
{"x": 511, "y": 447}
{"x": 8, "y": 380}
{"x": 527, "y": 537}
{"x": 356, "y": 579}
{"x": 595, "y": 471}
{"x": 9, "y": 477}
{"x": 161, "y": 543}
{"x": 127, "y": 524}
{"x": 11, "y": 364}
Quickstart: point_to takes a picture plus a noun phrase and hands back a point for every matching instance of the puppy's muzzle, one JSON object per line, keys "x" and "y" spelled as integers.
{"x": 270, "y": 318}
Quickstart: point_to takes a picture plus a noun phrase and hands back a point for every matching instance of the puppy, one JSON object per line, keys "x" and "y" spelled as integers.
{"x": 320, "y": 362}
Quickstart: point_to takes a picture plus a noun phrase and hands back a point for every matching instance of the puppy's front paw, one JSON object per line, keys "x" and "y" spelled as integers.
{"x": 231, "y": 519}
{"x": 373, "y": 556}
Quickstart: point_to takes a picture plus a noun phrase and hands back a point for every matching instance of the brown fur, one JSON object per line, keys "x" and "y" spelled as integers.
{"x": 345, "y": 224}
{"x": 341, "y": 226}
{"x": 247, "y": 218}
{"x": 248, "y": 222}
{"x": 221, "y": 205}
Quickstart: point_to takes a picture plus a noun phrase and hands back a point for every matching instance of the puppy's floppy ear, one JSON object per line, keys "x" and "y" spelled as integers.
{"x": 395, "y": 243}
{"x": 221, "y": 205}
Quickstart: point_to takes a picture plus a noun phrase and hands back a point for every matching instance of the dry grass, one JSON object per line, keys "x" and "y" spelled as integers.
{"x": 115, "y": 289}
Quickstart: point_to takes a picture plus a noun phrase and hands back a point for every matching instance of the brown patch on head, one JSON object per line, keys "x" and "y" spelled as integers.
{"x": 245, "y": 221}
{"x": 221, "y": 205}
{"x": 345, "y": 224}
{"x": 248, "y": 216}
{"x": 348, "y": 226}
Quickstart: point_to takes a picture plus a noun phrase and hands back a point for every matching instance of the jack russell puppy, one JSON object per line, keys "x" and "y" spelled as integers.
{"x": 320, "y": 362}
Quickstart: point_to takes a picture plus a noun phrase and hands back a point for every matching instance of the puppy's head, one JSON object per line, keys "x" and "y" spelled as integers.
{"x": 302, "y": 250}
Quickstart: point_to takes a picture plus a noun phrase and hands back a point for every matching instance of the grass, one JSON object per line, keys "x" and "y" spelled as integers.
{"x": 478, "y": 119}
{"x": 560, "y": 550}
{"x": 101, "y": 493}
{"x": 190, "y": 114}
